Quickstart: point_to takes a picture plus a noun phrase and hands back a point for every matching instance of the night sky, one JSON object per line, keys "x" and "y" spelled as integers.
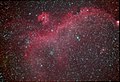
{"x": 59, "y": 40}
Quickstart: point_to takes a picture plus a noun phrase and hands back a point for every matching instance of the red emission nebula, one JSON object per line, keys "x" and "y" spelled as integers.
{"x": 82, "y": 46}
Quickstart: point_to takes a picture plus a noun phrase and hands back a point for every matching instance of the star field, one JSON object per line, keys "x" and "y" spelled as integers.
{"x": 59, "y": 40}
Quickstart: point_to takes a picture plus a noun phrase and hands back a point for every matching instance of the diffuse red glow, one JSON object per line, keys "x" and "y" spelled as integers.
{"x": 60, "y": 39}
{"x": 52, "y": 38}
{"x": 44, "y": 18}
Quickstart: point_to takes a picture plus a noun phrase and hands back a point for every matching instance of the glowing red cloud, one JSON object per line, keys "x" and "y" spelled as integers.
{"x": 68, "y": 23}
{"x": 44, "y": 18}
{"x": 61, "y": 39}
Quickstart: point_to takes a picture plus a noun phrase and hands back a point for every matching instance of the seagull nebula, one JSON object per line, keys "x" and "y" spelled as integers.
{"x": 59, "y": 40}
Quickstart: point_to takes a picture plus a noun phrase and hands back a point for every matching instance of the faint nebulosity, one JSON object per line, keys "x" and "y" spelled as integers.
{"x": 58, "y": 40}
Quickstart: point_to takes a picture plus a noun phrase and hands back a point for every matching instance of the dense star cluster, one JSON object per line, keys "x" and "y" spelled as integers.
{"x": 59, "y": 40}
